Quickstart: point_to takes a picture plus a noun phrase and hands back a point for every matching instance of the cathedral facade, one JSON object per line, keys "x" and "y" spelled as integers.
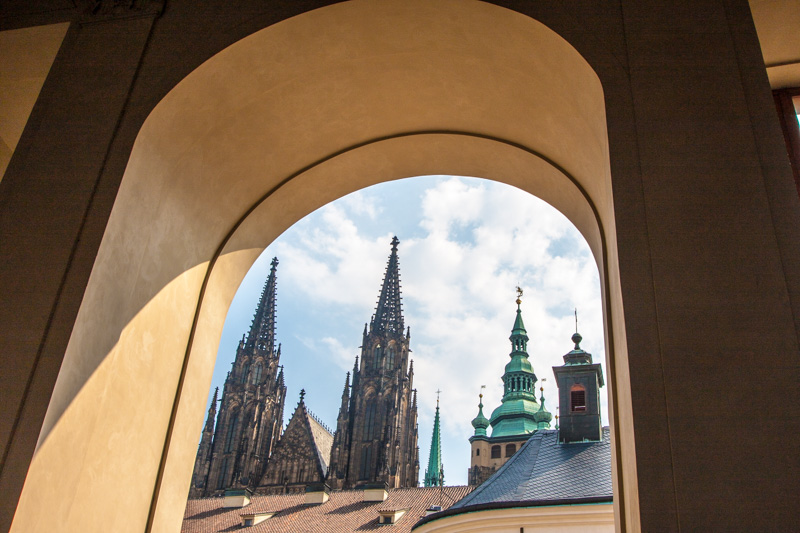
{"x": 376, "y": 430}
{"x": 250, "y": 417}
{"x": 376, "y": 433}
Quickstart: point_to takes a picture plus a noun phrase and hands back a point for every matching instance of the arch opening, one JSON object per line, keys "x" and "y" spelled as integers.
{"x": 260, "y": 135}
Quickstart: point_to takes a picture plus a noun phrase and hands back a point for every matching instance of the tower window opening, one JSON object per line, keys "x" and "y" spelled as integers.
{"x": 577, "y": 400}
{"x": 257, "y": 374}
{"x": 390, "y": 358}
{"x": 366, "y": 459}
{"x": 377, "y": 357}
{"x": 496, "y": 452}
{"x": 223, "y": 474}
{"x": 229, "y": 436}
{"x": 369, "y": 424}
{"x": 478, "y": 452}
{"x": 511, "y": 449}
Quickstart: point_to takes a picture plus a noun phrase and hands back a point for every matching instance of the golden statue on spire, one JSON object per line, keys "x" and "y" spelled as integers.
{"x": 519, "y": 295}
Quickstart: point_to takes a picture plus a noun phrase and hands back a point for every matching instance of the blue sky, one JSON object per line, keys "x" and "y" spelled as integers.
{"x": 465, "y": 244}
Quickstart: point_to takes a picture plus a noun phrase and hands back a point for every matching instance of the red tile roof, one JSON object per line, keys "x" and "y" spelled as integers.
{"x": 344, "y": 512}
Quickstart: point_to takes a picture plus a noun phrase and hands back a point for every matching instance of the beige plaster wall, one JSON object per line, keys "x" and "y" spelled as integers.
{"x": 26, "y": 56}
{"x": 592, "y": 518}
{"x": 778, "y": 26}
{"x": 257, "y": 137}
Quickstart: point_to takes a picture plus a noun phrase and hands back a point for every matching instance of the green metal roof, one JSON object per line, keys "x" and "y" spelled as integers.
{"x": 434, "y": 474}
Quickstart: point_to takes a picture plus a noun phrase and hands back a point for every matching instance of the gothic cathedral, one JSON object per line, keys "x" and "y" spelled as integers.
{"x": 376, "y": 435}
{"x": 235, "y": 454}
{"x": 376, "y": 432}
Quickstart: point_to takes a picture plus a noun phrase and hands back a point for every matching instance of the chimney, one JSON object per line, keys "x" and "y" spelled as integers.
{"x": 376, "y": 492}
{"x": 237, "y": 498}
{"x": 432, "y": 509}
{"x": 317, "y": 493}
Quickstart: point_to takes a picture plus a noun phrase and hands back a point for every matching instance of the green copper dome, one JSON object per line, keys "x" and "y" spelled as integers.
{"x": 480, "y": 422}
{"x": 516, "y": 415}
{"x": 542, "y": 416}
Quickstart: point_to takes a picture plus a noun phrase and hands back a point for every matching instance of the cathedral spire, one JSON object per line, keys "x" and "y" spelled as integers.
{"x": 434, "y": 474}
{"x": 345, "y": 396}
{"x": 212, "y": 412}
{"x": 389, "y": 311}
{"x": 262, "y": 330}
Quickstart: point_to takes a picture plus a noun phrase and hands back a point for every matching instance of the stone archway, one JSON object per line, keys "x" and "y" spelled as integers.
{"x": 260, "y": 135}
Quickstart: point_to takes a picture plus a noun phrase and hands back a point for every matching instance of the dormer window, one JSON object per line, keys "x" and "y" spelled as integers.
{"x": 390, "y": 516}
{"x": 577, "y": 399}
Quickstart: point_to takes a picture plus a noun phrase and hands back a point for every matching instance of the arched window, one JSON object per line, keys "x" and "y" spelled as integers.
{"x": 229, "y": 436}
{"x": 496, "y": 452}
{"x": 257, "y": 374}
{"x": 376, "y": 357}
{"x": 511, "y": 449}
{"x": 369, "y": 422}
{"x": 245, "y": 371}
{"x": 223, "y": 474}
{"x": 577, "y": 398}
{"x": 366, "y": 459}
{"x": 390, "y": 358}
{"x": 477, "y": 451}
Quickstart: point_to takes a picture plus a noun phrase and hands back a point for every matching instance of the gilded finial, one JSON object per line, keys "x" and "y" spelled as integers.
{"x": 438, "y": 391}
{"x": 519, "y": 295}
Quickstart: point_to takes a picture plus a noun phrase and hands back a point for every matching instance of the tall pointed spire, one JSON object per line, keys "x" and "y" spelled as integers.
{"x": 345, "y": 397}
{"x": 212, "y": 412}
{"x": 262, "y": 330}
{"x": 434, "y": 474}
{"x": 389, "y": 312}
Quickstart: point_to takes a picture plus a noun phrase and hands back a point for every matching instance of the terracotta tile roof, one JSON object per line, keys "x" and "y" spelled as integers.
{"x": 344, "y": 512}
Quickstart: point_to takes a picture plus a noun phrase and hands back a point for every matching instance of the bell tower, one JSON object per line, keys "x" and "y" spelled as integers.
{"x": 579, "y": 381}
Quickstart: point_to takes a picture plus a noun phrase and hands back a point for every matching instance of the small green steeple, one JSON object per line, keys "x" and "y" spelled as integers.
{"x": 434, "y": 474}
{"x": 516, "y": 415}
{"x": 480, "y": 422}
{"x": 542, "y": 416}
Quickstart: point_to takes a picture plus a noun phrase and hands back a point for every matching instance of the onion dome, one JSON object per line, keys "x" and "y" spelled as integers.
{"x": 480, "y": 422}
{"x": 542, "y": 416}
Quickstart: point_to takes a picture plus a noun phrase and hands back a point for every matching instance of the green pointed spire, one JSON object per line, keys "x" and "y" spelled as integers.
{"x": 519, "y": 337}
{"x": 516, "y": 414}
{"x": 434, "y": 474}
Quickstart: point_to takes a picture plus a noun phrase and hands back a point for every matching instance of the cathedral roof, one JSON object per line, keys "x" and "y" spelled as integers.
{"x": 323, "y": 440}
{"x": 345, "y": 511}
{"x": 545, "y": 472}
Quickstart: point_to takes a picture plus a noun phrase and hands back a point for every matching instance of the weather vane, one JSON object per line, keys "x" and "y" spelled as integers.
{"x": 576, "y": 320}
{"x": 438, "y": 391}
{"x": 519, "y": 295}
